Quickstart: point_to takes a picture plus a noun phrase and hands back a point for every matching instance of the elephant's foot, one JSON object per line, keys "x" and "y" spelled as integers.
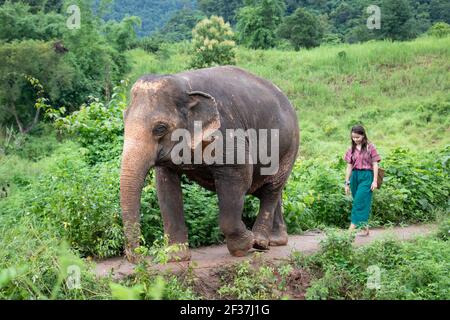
{"x": 182, "y": 255}
{"x": 278, "y": 238}
{"x": 261, "y": 238}
{"x": 239, "y": 246}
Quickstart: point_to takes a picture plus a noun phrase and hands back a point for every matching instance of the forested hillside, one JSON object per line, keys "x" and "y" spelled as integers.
{"x": 340, "y": 19}
{"x": 153, "y": 13}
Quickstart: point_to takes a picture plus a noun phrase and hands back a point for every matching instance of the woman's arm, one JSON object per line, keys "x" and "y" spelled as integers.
{"x": 375, "y": 175}
{"x": 348, "y": 172}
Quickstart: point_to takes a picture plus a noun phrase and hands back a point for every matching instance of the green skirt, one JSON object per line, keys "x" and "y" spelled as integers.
{"x": 360, "y": 182}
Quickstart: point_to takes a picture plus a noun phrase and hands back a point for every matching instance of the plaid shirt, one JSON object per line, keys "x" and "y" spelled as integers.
{"x": 362, "y": 159}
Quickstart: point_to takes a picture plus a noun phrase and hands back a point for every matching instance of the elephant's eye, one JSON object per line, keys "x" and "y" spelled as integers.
{"x": 160, "y": 129}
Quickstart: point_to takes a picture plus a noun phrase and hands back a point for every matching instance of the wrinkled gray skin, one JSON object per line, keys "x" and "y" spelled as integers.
{"x": 222, "y": 98}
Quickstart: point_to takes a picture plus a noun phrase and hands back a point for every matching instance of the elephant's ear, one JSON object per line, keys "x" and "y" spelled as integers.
{"x": 202, "y": 109}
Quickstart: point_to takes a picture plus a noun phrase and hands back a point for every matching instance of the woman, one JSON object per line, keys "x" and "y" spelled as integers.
{"x": 361, "y": 177}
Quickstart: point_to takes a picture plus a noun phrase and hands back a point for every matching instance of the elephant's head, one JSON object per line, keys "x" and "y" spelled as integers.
{"x": 159, "y": 106}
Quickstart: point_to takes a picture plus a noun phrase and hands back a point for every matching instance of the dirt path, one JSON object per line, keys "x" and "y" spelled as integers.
{"x": 207, "y": 258}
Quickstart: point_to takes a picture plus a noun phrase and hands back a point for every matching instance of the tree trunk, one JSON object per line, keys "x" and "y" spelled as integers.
{"x": 22, "y": 129}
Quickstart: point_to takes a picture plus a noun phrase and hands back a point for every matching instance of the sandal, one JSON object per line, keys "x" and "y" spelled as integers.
{"x": 364, "y": 233}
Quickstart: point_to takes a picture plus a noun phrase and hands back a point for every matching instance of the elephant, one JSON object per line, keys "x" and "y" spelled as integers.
{"x": 220, "y": 98}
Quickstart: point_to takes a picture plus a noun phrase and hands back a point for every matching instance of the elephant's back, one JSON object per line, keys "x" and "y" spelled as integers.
{"x": 238, "y": 92}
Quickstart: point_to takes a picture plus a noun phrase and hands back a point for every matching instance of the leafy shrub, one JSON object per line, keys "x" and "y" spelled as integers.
{"x": 416, "y": 186}
{"x": 336, "y": 248}
{"x": 35, "y": 146}
{"x": 97, "y": 126}
{"x": 201, "y": 210}
{"x": 314, "y": 196}
{"x": 34, "y": 264}
{"x": 408, "y": 270}
{"x": 444, "y": 228}
{"x": 149, "y": 286}
{"x": 420, "y": 271}
{"x": 81, "y": 202}
{"x": 439, "y": 30}
{"x": 212, "y": 43}
{"x": 333, "y": 285}
{"x": 248, "y": 282}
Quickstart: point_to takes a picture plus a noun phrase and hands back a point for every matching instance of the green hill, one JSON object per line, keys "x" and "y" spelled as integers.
{"x": 153, "y": 13}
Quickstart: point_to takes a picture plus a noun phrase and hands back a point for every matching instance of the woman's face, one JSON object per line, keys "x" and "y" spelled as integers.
{"x": 357, "y": 138}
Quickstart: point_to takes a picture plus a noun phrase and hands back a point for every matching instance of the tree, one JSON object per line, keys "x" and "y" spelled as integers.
{"x": 122, "y": 34}
{"x": 180, "y": 26}
{"x": 224, "y": 8}
{"x": 302, "y": 29}
{"x": 396, "y": 20}
{"x": 212, "y": 43}
{"x": 24, "y": 66}
{"x": 257, "y": 23}
{"x": 93, "y": 62}
{"x": 343, "y": 17}
{"x": 39, "y": 5}
{"x": 440, "y": 11}
{"x": 153, "y": 13}
{"x": 17, "y": 22}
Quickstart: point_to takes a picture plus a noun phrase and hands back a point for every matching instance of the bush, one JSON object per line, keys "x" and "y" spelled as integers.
{"x": 81, "y": 203}
{"x": 444, "y": 228}
{"x": 416, "y": 185}
{"x": 39, "y": 144}
{"x": 212, "y": 43}
{"x": 336, "y": 248}
{"x": 97, "y": 126}
{"x": 408, "y": 270}
{"x": 252, "y": 281}
{"x": 302, "y": 29}
{"x": 257, "y": 22}
{"x": 34, "y": 264}
{"x": 439, "y": 30}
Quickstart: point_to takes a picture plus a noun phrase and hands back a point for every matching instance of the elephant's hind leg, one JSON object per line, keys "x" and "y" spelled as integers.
{"x": 278, "y": 235}
{"x": 263, "y": 225}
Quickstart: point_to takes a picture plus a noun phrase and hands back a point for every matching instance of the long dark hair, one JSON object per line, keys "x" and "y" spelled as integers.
{"x": 361, "y": 131}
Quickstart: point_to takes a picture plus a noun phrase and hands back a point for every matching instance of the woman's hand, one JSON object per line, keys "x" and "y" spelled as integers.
{"x": 373, "y": 186}
{"x": 347, "y": 190}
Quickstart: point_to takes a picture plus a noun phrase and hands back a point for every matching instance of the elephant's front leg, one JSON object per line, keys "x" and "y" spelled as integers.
{"x": 170, "y": 200}
{"x": 231, "y": 193}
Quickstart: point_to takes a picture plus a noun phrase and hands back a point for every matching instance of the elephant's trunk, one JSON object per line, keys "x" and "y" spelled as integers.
{"x": 137, "y": 159}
